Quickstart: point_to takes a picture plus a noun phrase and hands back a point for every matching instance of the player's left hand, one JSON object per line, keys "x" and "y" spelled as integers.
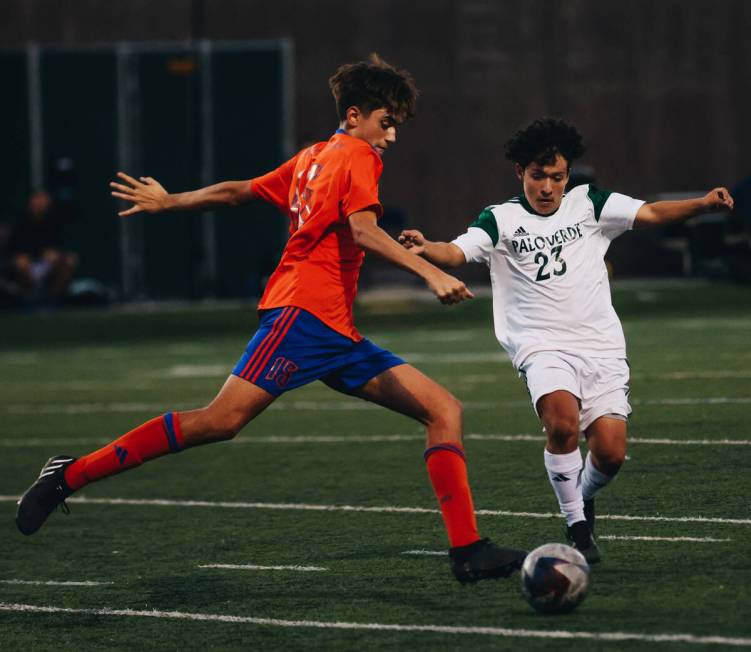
{"x": 718, "y": 199}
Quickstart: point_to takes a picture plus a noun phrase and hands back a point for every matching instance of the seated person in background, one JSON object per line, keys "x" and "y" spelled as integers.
{"x": 40, "y": 265}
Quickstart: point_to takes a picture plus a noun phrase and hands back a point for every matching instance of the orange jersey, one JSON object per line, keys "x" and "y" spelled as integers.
{"x": 319, "y": 189}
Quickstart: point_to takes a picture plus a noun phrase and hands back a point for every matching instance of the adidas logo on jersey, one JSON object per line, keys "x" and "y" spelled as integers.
{"x": 520, "y": 232}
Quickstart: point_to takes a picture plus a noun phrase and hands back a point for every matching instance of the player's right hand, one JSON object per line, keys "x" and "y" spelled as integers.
{"x": 413, "y": 240}
{"x": 146, "y": 195}
{"x": 448, "y": 290}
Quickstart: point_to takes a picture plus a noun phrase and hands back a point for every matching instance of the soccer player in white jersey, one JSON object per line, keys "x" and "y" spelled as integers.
{"x": 552, "y": 308}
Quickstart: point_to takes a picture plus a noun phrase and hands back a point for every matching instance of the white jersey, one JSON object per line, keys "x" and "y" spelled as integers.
{"x": 550, "y": 283}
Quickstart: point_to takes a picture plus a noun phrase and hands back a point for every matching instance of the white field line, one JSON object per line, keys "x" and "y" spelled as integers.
{"x": 692, "y": 375}
{"x": 440, "y": 629}
{"x": 318, "y": 406}
{"x": 613, "y": 537}
{"x": 301, "y": 569}
{"x": 222, "y": 370}
{"x": 625, "y": 517}
{"x": 387, "y": 509}
{"x": 197, "y": 371}
{"x": 691, "y": 442}
{"x": 425, "y": 553}
{"x": 713, "y": 400}
{"x": 694, "y": 324}
{"x": 365, "y": 439}
{"x": 54, "y": 583}
{"x": 130, "y": 407}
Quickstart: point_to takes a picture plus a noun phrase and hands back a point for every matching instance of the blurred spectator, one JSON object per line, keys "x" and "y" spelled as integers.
{"x": 42, "y": 269}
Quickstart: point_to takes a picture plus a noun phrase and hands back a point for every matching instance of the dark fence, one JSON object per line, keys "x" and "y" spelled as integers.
{"x": 188, "y": 115}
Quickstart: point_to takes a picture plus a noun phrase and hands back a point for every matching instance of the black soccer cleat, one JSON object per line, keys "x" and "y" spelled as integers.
{"x": 43, "y": 497}
{"x": 589, "y": 514}
{"x": 580, "y": 537}
{"x": 484, "y": 560}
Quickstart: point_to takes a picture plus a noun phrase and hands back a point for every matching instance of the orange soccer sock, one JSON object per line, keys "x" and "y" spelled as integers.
{"x": 154, "y": 438}
{"x": 447, "y": 469}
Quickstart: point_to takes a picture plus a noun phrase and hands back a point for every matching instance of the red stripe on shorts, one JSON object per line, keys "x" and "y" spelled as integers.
{"x": 266, "y": 341}
{"x": 254, "y": 374}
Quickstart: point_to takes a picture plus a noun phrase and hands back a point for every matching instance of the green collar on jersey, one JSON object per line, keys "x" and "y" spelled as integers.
{"x": 528, "y": 207}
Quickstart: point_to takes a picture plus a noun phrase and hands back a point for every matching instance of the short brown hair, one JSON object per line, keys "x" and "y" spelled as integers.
{"x": 374, "y": 84}
{"x": 542, "y": 140}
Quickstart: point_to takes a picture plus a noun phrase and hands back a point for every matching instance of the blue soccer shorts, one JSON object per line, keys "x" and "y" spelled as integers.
{"x": 292, "y": 348}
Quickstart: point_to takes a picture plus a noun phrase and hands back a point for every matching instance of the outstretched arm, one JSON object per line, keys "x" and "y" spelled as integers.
{"x": 443, "y": 254}
{"x": 668, "y": 212}
{"x": 149, "y": 196}
{"x": 368, "y": 235}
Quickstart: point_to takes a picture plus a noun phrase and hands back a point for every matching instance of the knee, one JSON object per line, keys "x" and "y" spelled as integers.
{"x": 222, "y": 427}
{"x": 562, "y": 430}
{"x": 609, "y": 462}
{"x": 448, "y": 414}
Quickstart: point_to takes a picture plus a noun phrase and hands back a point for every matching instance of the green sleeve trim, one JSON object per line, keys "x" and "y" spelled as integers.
{"x": 598, "y": 198}
{"x": 486, "y": 222}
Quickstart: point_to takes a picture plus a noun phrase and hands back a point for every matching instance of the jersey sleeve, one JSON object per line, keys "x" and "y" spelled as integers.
{"x": 480, "y": 239}
{"x": 361, "y": 186}
{"x": 274, "y": 186}
{"x": 614, "y": 212}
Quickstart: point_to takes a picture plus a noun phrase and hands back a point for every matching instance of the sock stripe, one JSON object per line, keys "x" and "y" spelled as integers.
{"x": 444, "y": 447}
{"x": 168, "y": 425}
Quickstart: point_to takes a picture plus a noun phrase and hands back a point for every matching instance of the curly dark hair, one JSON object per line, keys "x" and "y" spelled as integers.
{"x": 542, "y": 140}
{"x": 374, "y": 84}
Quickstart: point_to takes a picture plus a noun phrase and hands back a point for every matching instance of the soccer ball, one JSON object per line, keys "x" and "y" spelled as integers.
{"x": 555, "y": 578}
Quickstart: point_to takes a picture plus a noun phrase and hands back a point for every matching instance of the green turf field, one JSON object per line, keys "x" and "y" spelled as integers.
{"x": 291, "y": 489}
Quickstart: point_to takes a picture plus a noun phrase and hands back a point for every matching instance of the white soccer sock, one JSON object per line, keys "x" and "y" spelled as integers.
{"x": 564, "y": 472}
{"x": 592, "y": 479}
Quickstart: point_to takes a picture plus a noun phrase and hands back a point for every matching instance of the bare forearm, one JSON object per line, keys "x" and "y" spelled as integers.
{"x": 220, "y": 195}
{"x": 375, "y": 240}
{"x": 368, "y": 235}
{"x": 443, "y": 254}
{"x": 670, "y": 212}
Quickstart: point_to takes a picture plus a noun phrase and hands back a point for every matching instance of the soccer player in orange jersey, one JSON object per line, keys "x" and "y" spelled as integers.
{"x": 306, "y": 331}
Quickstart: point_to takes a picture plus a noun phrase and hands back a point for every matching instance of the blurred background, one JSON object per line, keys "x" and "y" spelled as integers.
{"x": 197, "y": 91}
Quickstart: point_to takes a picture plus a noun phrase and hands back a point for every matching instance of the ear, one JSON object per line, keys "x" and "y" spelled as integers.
{"x": 519, "y": 171}
{"x": 352, "y": 117}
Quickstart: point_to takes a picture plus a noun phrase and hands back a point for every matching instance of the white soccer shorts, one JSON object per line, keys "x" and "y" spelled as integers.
{"x": 600, "y": 384}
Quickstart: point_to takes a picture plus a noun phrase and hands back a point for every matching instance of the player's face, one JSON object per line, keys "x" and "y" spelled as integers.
{"x": 378, "y": 128}
{"x": 544, "y": 184}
